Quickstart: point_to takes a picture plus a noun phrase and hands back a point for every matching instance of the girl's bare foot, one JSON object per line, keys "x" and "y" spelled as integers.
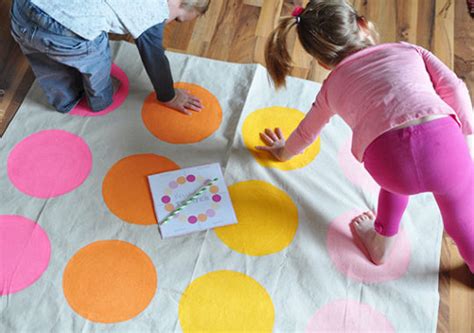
{"x": 379, "y": 247}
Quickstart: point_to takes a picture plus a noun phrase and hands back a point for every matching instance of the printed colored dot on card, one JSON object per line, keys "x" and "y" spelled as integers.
{"x": 216, "y": 198}
{"x": 191, "y": 178}
{"x": 214, "y": 189}
{"x": 175, "y": 127}
{"x": 348, "y": 316}
{"x": 267, "y": 219}
{"x": 109, "y": 281}
{"x": 287, "y": 120}
{"x": 202, "y": 217}
{"x": 350, "y": 260}
{"x": 226, "y": 301}
{"x": 125, "y": 187}
{"x": 165, "y": 199}
{"x": 49, "y": 163}
{"x": 24, "y": 252}
{"x": 83, "y": 109}
{"x": 210, "y": 212}
{"x": 192, "y": 219}
{"x": 181, "y": 180}
{"x": 169, "y": 207}
{"x": 173, "y": 184}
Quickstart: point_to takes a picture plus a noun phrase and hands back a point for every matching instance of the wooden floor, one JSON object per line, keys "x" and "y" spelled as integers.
{"x": 236, "y": 31}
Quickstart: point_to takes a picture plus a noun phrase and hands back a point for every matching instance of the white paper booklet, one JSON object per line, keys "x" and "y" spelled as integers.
{"x": 211, "y": 209}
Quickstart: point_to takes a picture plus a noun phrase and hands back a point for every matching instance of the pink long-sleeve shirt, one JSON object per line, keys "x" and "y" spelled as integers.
{"x": 382, "y": 87}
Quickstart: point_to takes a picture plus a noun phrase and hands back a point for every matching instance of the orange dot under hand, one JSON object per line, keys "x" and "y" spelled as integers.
{"x": 175, "y": 127}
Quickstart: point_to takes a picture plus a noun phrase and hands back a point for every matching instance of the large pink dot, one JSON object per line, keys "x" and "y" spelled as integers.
{"x": 24, "y": 253}
{"x": 350, "y": 260}
{"x": 348, "y": 316}
{"x": 49, "y": 163}
{"x": 354, "y": 170}
{"x": 82, "y": 109}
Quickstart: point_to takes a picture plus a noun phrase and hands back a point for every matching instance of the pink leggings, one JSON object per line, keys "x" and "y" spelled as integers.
{"x": 430, "y": 157}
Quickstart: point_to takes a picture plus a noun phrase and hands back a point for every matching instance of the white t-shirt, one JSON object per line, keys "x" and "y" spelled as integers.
{"x": 89, "y": 18}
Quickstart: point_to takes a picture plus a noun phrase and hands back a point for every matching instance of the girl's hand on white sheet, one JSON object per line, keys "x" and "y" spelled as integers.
{"x": 275, "y": 144}
{"x": 184, "y": 102}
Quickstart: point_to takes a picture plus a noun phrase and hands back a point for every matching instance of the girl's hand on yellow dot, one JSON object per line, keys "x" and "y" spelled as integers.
{"x": 274, "y": 143}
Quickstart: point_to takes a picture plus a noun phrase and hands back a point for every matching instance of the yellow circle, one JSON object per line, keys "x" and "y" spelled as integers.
{"x": 202, "y": 217}
{"x": 181, "y": 180}
{"x": 287, "y": 120}
{"x": 214, "y": 189}
{"x": 267, "y": 219}
{"x": 226, "y": 301}
{"x": 169, "y": 207}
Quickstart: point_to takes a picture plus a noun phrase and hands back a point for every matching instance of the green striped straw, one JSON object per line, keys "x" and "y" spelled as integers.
{"x": 186, "y": 203}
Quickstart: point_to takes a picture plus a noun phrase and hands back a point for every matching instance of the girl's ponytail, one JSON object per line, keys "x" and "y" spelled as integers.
{"x": 329, "y": 30}
{"x": 277, "y": 57}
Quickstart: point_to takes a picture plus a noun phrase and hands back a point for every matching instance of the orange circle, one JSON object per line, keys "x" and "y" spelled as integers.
{"x": 175, "y": 127}
{"x": 109, "y": 281}
{"x": 125, "y": 187}
{"x": 169, "y": 207}
{"x": 214, "y": 189}
{"x": 202, "y": 217}
{"x": 181, "y": 180}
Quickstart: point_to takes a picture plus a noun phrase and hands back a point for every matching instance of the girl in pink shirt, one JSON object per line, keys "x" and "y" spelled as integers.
{"x": 408, "y": 113}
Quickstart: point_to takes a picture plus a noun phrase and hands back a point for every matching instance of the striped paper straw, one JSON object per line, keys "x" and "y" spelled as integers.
{"x": 186, "y": 203}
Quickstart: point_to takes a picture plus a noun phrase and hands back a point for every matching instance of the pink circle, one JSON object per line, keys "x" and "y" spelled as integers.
{"x": 82, "y": 109}
{"x": 354, "y": 170}
{"x": 348, "y": 316}
{"x": 49, "y": 163}
{"x": 24, "y": 253}
{"x": 210, "y": 213}
{"x": 165, "y": 199}
{"x": 191, "y": 178}
{"x": 350, "y": 260}
{"x": 192, "y": 219}
{"x": 216, "y": 198}
{"x": 173, "y": 184}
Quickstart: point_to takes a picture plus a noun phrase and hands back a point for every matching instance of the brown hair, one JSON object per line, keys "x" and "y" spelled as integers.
{"x": 327, "y": 29}
{"x": 201, "y": 6}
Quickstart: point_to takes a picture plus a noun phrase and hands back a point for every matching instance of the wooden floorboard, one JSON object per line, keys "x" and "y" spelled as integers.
{"x": 236, "y": 31}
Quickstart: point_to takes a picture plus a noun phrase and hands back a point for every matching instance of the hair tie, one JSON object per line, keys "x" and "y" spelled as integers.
{"x": 297, "y": 12}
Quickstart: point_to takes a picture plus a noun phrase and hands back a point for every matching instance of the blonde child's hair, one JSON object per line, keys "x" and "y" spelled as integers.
{"x": 327, "y": 29}
{"x": 201, "y": 6}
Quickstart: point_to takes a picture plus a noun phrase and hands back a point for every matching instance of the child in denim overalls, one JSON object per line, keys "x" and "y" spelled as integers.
{"x": 66, "y": 43}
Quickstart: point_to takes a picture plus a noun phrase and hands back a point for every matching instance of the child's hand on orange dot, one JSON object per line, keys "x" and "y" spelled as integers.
{"x": 275, "y": 143}
{"x": 184, "y": 102}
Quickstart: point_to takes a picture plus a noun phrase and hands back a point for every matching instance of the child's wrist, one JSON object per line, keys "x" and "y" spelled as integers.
{"x": 171, "y": 101}
{"x": 285, "y": 154}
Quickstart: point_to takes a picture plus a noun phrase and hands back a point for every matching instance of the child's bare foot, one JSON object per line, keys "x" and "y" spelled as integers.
{"x": 379, "y": 247}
